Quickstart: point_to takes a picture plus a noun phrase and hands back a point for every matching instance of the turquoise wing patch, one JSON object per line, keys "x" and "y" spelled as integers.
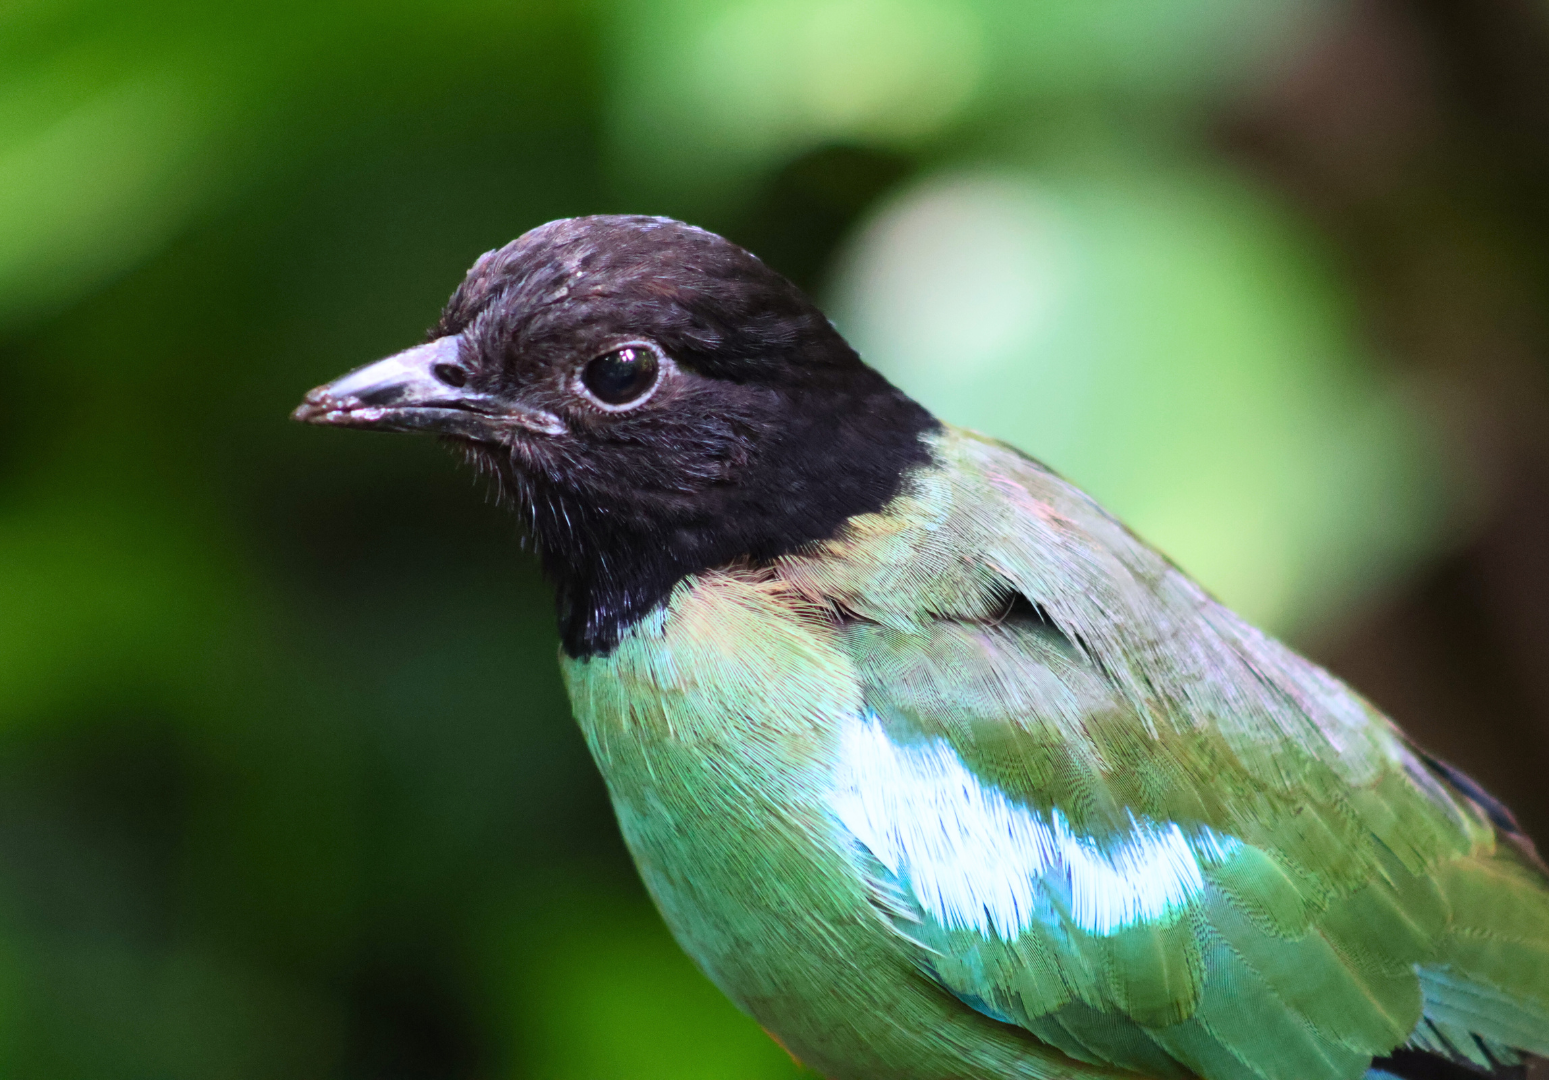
{"x": 1108, "y": 928}
{"x": 1145, "y": 949}
{"x": 977, "y": 861}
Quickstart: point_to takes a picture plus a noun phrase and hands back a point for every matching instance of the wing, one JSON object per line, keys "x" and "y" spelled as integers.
{"x": 1097, "y": 805}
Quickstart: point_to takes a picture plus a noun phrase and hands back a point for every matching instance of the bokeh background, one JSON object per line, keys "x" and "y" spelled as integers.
{"x": 288, "y": 786}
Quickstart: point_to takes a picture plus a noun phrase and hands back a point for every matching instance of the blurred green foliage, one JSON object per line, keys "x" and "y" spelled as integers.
{"x": 288, "y": 786}
{"x": 1188, "y": 359}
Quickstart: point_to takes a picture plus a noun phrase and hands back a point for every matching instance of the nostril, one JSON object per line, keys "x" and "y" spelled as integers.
{"x": 450, "y": 374}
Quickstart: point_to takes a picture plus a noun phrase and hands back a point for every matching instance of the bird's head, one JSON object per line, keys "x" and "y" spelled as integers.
{"x": 653, "y": 399}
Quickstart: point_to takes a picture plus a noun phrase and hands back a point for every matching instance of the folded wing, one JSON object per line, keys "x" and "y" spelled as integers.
{"x": 1095, "y": 804}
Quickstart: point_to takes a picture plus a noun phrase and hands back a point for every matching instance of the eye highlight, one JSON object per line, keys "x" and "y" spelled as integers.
{"x": 621, "y": 377}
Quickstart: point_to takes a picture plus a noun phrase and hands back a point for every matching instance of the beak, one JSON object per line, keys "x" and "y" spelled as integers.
{"x": 420, "y": 389}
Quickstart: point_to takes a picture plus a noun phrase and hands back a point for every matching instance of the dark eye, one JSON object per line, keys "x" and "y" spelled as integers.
{"x": 621, "y": 376}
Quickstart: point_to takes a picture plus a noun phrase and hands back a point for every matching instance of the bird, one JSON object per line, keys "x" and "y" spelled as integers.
{"x": 930, "y": 764}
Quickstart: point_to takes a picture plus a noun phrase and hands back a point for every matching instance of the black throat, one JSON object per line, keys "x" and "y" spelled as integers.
{"x": 830, "y": 456}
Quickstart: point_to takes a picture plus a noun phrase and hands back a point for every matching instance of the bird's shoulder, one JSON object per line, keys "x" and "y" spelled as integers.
{"x": 1097, "y": 804}
{"x": 996, "y": 605}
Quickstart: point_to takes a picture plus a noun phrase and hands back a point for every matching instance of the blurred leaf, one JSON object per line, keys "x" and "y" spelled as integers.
{"x": 123, "y": 124}
{"x": 1173, "y": 345}
{"x": 184, "y": 1016}
{"x": 709, "y": 93}
{"x": 602, "y": 992}
{"x": 93, "y": 598}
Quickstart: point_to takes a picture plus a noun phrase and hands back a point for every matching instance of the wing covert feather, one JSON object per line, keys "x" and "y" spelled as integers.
{"x": 1323, "y": 888}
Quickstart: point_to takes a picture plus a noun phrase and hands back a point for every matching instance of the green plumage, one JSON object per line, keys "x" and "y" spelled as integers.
{"x": 935, "y": 769}
{"x": 1350, "y": 899}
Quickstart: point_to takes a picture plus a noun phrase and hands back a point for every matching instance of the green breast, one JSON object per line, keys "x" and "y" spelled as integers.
{"x": 712, "y": 724}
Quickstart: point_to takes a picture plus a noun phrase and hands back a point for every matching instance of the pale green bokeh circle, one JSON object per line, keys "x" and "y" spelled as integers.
{"x": 1169, "y": 342}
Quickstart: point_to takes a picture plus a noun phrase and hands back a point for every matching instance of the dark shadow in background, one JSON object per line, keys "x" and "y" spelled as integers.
{"x": 1417, "y": 137}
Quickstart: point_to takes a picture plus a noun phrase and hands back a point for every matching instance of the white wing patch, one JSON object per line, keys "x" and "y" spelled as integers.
{"x": 976, "y": 860}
